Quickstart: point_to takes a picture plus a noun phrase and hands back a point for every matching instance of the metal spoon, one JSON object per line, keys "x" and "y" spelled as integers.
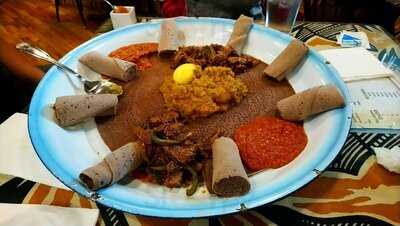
{"x": 112, "y": 6}
{"x": 93, "y": 87}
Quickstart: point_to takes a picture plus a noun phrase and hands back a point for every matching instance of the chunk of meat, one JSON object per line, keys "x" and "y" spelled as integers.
{"x": 240, "y": 63}
{"x": 198, "y": 166}
{"x": 182, "y": 154}
{"x": 172, "y": 166}
{"x": 170, "y": 129}
{"x": 173, "y": 180}
{"x": 157, "y": 156}
{"x": 142, "y": 134}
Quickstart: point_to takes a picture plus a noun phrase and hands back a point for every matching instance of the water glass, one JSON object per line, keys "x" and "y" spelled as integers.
{"x": 281, "y": 14}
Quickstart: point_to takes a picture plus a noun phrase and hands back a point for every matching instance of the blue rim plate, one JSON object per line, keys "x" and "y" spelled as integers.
{"x": 65, "y": 152}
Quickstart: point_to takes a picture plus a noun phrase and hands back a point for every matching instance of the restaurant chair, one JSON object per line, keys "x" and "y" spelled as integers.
{"x": 79, "y": 5}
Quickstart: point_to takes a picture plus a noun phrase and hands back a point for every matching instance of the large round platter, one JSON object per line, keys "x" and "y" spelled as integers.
{"x": 66, "y": 152}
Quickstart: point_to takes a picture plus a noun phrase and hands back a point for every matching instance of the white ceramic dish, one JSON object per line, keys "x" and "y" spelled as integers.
{"x": 119, "y": 20}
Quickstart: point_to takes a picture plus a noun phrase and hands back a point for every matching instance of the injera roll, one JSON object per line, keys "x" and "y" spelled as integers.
{"x": 70, "y": 110}
{"x": 170, "y": 37}
{"x": 96, "y": 176}
{"x": 309, "y": 102}
{"x": 287, "y": 60}
{"x": 239, "y": 34}
{"x": 229, "y": 177}
{"x": 111, "y": 67}
{"x": 114, "y": 166}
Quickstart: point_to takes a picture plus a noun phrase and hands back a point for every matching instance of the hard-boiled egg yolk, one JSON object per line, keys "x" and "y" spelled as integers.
{"x": 185, "y": 73}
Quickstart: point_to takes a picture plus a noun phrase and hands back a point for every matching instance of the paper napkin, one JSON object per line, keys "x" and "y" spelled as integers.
{"x": 44, "y": 215}
{"x": 388, "y": 158}
{"x": 356, "y": 63}
{"x": 17, "y": 156}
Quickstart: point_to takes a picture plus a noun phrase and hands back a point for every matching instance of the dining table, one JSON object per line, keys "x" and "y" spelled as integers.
{"x": 353, "y": 190}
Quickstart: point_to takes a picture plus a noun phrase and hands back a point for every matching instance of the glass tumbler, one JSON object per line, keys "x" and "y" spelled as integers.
{"x": 281, "y": 14}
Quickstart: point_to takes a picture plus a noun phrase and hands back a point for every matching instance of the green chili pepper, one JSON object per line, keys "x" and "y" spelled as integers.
{"x": 195, "y": 181}
{"x": 162, "y": 141}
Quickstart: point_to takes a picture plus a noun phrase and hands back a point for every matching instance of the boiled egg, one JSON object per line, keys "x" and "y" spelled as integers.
{"x": 185, "y": 73}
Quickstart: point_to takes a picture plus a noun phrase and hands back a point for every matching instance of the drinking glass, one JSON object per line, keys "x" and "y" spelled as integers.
{"x": 281, "y": 14}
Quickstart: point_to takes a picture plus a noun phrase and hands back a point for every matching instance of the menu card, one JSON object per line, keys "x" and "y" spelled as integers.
{"x": 374, "y": 90}
{"x": 376, "y": 103}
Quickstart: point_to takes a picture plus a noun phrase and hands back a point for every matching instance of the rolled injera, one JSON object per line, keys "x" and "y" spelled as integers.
{"x": 229, "y": 177}
{"x": 111, "y": 67}
{"x": 239, "y": 34}
{"x": 287, "y": 60}
{"x": 309, "y": 102}
{"x": 114, "y": 166}
{"x": 170, "y": 37}
{"x": 71, "y": 110}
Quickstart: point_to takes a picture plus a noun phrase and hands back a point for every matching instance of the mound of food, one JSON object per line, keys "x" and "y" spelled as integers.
{"x": 213, "y": 89}
{"x": 174, "y": 158}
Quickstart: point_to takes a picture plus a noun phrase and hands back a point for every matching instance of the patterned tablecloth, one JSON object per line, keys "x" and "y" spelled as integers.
{"x": 353, "y": 190}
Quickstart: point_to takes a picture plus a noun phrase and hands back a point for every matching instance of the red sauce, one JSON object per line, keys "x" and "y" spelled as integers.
{"x": 269, "y": 142}
{"x": 136, "y": 53}
{"x": 121, "y": 9}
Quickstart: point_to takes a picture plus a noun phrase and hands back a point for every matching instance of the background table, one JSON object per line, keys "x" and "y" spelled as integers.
{"x": 353, "y": 190}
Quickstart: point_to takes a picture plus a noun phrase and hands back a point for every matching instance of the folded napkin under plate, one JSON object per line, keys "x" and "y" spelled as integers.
{"x": 17, "y": 155}
{"x": 43, "y": 215}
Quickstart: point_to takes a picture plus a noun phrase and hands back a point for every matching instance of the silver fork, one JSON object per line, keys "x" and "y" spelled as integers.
{"x": 93, "y": 87}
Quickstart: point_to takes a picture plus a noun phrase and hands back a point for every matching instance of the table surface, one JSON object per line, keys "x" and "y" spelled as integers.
{"x": 353, "y": 190}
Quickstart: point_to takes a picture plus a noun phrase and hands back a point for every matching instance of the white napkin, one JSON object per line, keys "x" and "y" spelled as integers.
{"x": 356, "y": 63}
{"x": 388, "y": 158}
{"x": 17, "y": 156}
{"x": 43, "y": 215}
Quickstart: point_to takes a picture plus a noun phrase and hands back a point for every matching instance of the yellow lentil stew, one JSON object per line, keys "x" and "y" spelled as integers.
{"x": 214, "y": 89}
